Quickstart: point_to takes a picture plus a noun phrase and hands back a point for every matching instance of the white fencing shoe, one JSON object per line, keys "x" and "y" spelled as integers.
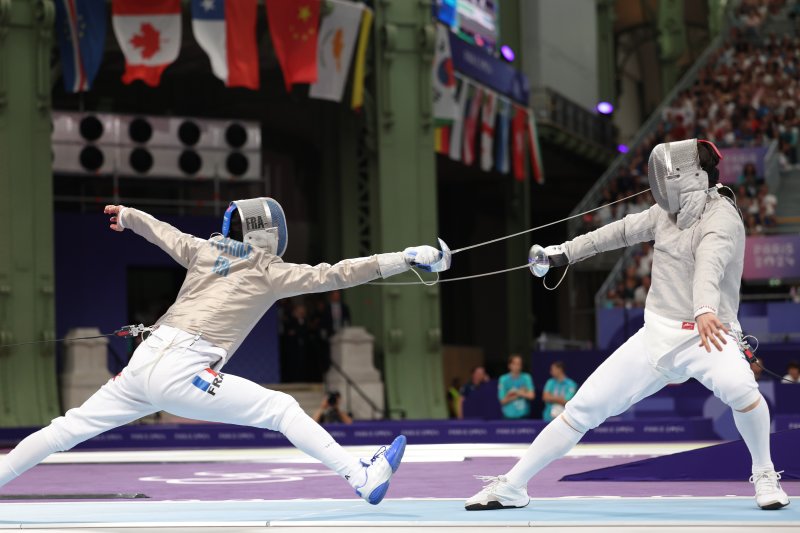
{"x": 769, "y": 494}
{"x": 380, "y": 470}
{"x": 498, "y": 493}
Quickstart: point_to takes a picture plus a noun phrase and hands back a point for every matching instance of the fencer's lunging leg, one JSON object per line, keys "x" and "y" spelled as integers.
{"x": 311, "y": 438}
{"x": 753, "y": 425}
{"x": 113, "y": 405}
{"x": 555, "y": 440}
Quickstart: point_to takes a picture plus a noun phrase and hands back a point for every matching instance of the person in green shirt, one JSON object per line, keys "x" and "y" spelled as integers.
{"x": 558, "y": 390}
{"x": 515, "y": 390}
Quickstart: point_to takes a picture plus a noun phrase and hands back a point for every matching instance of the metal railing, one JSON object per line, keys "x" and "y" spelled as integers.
{"x": 551, "y": 107}
{"x": 352, "y": 385}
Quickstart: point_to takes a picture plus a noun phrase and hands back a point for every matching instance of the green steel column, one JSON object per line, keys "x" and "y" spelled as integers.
{"x": 28, "y": 393}
{"x": 519, "y": 331}
{"x": 716, "y": 16}
{"x": 606, "y": 67}
{"x": 672, "y": 41}
{"x": 403, "y": 204}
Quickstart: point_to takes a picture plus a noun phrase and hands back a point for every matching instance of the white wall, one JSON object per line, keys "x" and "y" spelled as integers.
{"x": 559, "y": 40}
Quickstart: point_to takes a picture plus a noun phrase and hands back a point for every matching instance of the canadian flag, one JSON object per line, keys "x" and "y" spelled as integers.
{"x": 149, "y": 34}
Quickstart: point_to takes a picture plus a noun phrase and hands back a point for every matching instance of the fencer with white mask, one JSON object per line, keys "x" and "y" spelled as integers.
{"x": 690, "y": 331}
{"x": 231, "y": 281}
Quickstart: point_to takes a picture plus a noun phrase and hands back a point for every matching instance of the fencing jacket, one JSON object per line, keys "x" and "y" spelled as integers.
{"x": 696, "y": 270}
{"x": 230, "y": 285}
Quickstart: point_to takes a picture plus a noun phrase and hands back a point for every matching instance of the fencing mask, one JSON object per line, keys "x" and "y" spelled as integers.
{"x": 263, "y": 224}
{"x": 677, "y": 181}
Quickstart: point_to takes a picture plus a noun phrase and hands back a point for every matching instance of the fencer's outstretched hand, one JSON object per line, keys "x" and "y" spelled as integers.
{"x": 557, "y": 255}
{"x": 711, "y": 330}
{"x": 422, "y": 257}
{"x": 114, "y": 211}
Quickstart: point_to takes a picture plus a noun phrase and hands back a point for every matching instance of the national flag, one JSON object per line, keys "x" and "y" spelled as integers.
{"x": 445, "y": 105}
{"x": 501, "y": 158}
{"x": 536, "y": 151}
{"x": 226, "y": 30}
{"x": 471, "y": 125}
{"x": 518, "y": 128}
{"x": 357, "y": 99}
{"x": 457, "y": 130}
{"x": 337, "y": 40}
{"x": 293, "y": 25}
{"x": 81, "y": 34}
{"x": 488, "y": 115}
{"x": 149, "y": 34}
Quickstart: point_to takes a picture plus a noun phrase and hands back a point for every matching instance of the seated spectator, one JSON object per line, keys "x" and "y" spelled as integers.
{"x": 767, "y": 204}
{"x": 478, "y": 377}
{"x": 750, "y": 180}
{"x": 558, "y": 390}
{"x": 515, "y": 390}
{"x": 792, "y": 372}
{"x": 330, "y": 412}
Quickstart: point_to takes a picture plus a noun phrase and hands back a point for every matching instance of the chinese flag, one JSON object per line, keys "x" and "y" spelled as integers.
{"x": 293, "y": 25}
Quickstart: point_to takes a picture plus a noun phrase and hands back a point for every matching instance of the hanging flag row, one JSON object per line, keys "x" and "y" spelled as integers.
{"x": 476, "y": 124}
{"x": 311, "y": 47}
{"x": 489, "y": 129}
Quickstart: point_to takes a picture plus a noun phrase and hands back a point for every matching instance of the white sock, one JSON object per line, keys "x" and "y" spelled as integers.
{"x": 28, "y": 453}
{"x": 555, "y": 440}
{"x": 311, "y": 438}
{"x": 754, "y": 428}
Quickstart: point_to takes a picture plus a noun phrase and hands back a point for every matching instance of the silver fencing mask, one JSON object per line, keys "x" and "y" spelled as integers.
{"x": 263, "y": 224}
{"x": 674, "y": 172}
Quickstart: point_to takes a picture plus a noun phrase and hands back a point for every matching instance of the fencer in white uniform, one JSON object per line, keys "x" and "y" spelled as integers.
{"x": 229, "y": 286}
{"x": 691, "y": 328}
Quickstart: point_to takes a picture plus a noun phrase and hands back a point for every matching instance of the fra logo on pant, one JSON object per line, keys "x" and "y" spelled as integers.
{"x": 208, "y": 381}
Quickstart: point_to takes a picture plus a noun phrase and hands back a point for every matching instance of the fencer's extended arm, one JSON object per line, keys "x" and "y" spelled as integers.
{"x": 289, "y": 279}
{"x": 714, "y": 251}
{"x": 182, "y": 247}
{"x": 632, "y": 229}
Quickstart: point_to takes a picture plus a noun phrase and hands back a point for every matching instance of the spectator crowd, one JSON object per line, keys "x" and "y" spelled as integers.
{"x": 746, "y": 96}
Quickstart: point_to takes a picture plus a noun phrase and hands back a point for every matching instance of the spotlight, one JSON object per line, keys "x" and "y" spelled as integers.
{"x": 141, "y": 160}
{"x": 507, "y": 53}
{"x": 91, "y": 128}
{"x": 622, "y": 148}
{"x": 605, "y": 108}
{"x": 140, "y": 130}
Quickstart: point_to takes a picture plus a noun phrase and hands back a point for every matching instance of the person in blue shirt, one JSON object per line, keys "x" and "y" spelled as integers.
{"x": 558, "y": 390}
{"x": 516, "y": 390}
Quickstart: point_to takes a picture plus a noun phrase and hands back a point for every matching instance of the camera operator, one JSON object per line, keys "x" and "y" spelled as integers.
{"x": 330, "y": 412}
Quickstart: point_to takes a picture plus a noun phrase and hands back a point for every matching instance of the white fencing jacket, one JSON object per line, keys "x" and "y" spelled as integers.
{"x": 229, "y": 285}
{"x": 695, "y": 271}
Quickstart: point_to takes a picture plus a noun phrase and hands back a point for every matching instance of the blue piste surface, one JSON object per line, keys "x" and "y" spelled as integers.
{"x": 579, "y": 511}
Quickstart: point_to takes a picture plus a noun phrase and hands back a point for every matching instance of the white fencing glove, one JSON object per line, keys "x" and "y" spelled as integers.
{"x": 557, "y": 255}
{"x": 422, "y": 257}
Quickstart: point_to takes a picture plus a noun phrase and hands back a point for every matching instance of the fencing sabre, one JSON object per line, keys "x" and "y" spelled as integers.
{"x": 537, "y": 260}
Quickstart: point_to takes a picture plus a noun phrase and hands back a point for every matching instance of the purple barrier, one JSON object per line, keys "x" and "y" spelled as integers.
{"x": 772, "y": 256}
{"x": 615, "y": 326}
{"x": 483, "y": 403}
{"x": 724, "y": 462}
{"x": 378, "y": 433}
{"x": 734, "y": 160}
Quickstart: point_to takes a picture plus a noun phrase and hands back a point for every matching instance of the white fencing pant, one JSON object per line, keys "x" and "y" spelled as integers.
{"x": 627, "y": 376}
{"x": 171, "y": 371}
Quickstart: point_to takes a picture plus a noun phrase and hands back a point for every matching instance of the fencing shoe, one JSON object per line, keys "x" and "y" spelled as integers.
{"x": 379, "y": 470}
{"x": 498, "y": 493}
{"x": 769, "y": 494}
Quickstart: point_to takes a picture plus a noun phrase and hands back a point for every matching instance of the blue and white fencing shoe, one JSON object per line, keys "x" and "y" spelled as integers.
{"x": 380, "y": 469}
